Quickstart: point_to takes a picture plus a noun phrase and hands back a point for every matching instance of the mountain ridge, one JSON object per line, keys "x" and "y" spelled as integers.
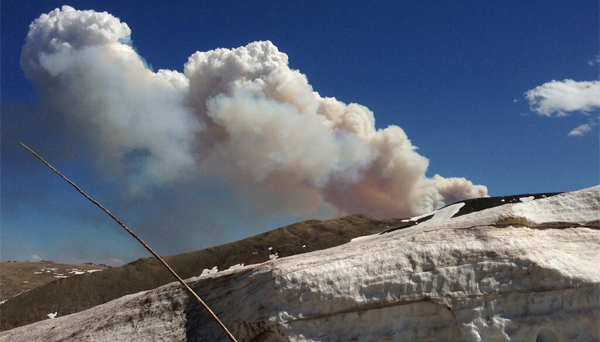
{"x": 72, "y": 295}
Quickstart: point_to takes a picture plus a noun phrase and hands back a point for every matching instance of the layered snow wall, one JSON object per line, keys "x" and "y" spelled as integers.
{"x": 518, "y": 272}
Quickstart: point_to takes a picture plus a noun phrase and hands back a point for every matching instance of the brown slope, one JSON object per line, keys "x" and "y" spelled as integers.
{"x": 17, "y": 277}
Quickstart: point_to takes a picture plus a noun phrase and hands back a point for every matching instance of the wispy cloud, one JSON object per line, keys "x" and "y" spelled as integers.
{"x": 560, "y": 98}
{"x": 36, "y": 257}
{"x": 581, "y": 130}
{"x": 594, "y": 61}
{"x": 112, "y": 262}
{"x": 109, "y": 262}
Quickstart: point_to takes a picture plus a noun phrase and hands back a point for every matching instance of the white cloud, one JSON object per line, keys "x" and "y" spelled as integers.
{"x": 36, "y": 257}
{"x": 563, "y": 97}
{"x": 581, "y": 130}
{"x": 594, "y": 61}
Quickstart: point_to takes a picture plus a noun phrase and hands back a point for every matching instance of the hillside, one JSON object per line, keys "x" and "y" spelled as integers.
{"x": 517, "y": 272}
{"x": 67, "y": 296}
{"x": 75, "y": 294}
{"x": 19, "y": 277}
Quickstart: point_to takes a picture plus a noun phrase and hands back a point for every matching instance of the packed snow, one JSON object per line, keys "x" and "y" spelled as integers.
{"x": 236, "y": 267}
{"x": 440, "y": 214}
{"x": 526, "y": 199}
{"x": 52, "y": 315}
{"x": 20, "y": 293}
{"x": 207, "y": 271}
{"x": 447, "y": 212}
{"x": 517, "y": 272}
{"x": 2, "y": 302}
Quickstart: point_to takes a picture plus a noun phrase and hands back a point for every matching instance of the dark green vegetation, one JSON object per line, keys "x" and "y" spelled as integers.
{"x": 75, "y": 294}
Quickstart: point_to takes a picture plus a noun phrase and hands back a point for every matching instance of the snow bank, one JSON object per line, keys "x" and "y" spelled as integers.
{"x": 519, "y": 272}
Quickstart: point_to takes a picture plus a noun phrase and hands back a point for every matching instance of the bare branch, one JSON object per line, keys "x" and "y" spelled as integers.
{"x": 189, "y": 289}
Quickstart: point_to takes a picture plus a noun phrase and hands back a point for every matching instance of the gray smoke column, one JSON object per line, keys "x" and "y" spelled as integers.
{"x": 238, "y": 115}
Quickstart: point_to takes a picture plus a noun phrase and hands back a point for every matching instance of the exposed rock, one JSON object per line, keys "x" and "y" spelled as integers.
{"x": 518, "y": 272}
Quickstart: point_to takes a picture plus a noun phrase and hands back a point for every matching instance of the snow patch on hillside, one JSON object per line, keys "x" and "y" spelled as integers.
{"x": 236, "y": 267}
{"x": 207, "y": 271}
{"x": 440, "y": 214}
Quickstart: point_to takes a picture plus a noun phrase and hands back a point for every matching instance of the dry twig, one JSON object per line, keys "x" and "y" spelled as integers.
{"x": 189, "y": 289}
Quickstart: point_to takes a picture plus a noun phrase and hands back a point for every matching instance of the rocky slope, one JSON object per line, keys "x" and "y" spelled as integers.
{"x": 519, "y": 272}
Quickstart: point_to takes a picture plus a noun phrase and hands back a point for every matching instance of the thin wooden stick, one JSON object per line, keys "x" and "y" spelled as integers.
{"x": 189, "y": 289}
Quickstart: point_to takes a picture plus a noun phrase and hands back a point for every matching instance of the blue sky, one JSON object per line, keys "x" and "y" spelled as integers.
{"x": 452, "y": 75}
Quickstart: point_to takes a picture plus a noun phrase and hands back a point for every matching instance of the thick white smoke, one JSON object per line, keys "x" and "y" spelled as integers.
{"x": 240, "y": 115}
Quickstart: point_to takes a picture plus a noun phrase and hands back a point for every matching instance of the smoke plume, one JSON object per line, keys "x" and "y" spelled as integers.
{"x": 241, "y": 116}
